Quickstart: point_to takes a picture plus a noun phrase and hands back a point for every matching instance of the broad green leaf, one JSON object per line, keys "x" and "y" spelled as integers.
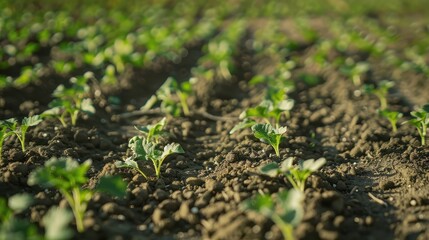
{"x": 112, "y": 185}
{"x": 246, "y": 123}
{"x": 261, "y": 203}
{"x": 129, "y": 163}
{"x": 56, "y": 222}
{"x": 290, "y": 203}
{"x": 171, "y": 149}
{"x": 20, "y": 202}
{"x": 271, "y": 169}
{"x": 287, "y": 164}
{"x": 31, "y": 121}
{"x": 313, "y": 165}
{"x": 87, "y": 106}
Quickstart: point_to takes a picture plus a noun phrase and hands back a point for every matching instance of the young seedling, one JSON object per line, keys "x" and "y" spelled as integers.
{"x": 55, "y": 221}
{"x": 355, "y": 71}
{"x": 154, "y": 132}
{"x": 285, "y": 210}
{"x": 380, "y": 92}
{"x": 392, "y": 116}
{"x": 68, "y": 176}
{"x": 296, "y": 175}
{"x": 421, "y": 122}
{"x": 10, "y": 127}
{"x": 70, "y": 101}
{"x": 173, "y": 97}
{"x": 268, "y": 134}
{"x": 145, "y": 150}
{"x": 4, "y": 133}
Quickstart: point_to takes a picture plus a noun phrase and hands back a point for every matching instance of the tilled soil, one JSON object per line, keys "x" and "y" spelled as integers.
{"x": 373, "y": 186}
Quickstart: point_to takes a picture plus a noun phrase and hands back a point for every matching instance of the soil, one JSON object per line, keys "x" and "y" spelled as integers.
{"x": 374, "y": 185}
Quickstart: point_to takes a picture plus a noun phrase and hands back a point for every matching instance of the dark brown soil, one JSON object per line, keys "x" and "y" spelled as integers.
{"x": 374, "y": 186}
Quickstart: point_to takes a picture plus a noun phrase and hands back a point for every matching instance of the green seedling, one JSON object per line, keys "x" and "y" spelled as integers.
{"x": 173, "y": 97}
{"x": 154, "y": 132}
{"x": 55, "y": 221}
{"x": 392, "y": 116}
{"x": 68, "y": 176}
{"x": 355, "y": 71}
{"x": 146, "y": 150}
{"x": 70, "y": 101}
{"x": 285, "y": 210}
{"x": 421, "y": 122}
{"x": 4, "y": 133}
{"x": 268, "y": 134}
{"x": 10, "y": 127}
{"x": 296, "y": 175}
{"x": 380, "y": 92}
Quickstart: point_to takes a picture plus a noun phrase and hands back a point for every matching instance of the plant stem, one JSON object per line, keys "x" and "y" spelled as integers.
{"x": 184, "y": 104}
{"x": 394, "y": 128}
{"x": 141, "y": 172}
{"x": 286, "y": 229}
{"x": 80, "y": 210}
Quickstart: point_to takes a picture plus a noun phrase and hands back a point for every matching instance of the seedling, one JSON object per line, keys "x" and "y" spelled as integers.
{"x": 10, "y": 127}
{"x": 380, "y": 92}
{"x": 421, "y": 122}
{"x": 355, "y": 71}
{"x": 4, "y": 133}
{"x": 146, "y": 150}
{"x": 296, "y": 175}
{"x": 392, "y": 116}
{"x": 68, "y": 176}
{"x": 173, "y": 97}
{"x": 56, "y": 221}
{"x": 268, "y": 134}
{"x": 154, "y": 132}
{"x": 70, "y": 101}
{"x": 285, "y": 210}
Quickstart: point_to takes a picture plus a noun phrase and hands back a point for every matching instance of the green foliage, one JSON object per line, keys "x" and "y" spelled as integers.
{"x": 71, "y": 101}
{"x": 421, "y": 122}
{"x": 355, "y": 71}
{"x": 268, "y": 134}
{"x": 173, "y": 97}
{"x": 153, "y": 132}
{"x": 145, "y": 150}
{"x": 392, "y": 116}
{"x": 68, "y": 176}
{"x": 380, "y": 92}
{"x": 10, "y": 127}
{"x": 296, "y": 174}
{"x": 285, "y": 209}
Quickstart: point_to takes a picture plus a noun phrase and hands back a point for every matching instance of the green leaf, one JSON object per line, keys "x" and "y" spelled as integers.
{"x": 56, "y": 222}
{"x": 87, "y": 106}
{"x": 246, "y": 123}
{"x": 171, "y": 149}
{"x": 271, "y": 169}
{"x": 262, "y": 203}
{"x": 313, "y": 165}
{"x": 112, "y": 185}
{"x": 290, "y": 203}
{"x": 287, "y": 164}
{"x": 20, "y": 202}
{"x": 31, "y": 121}
{"x": 129, "y": 163}
{"x": 264, "y": 132}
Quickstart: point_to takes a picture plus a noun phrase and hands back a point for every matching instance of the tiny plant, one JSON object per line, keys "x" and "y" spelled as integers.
{"x": 392, "y": 116}
{"x": 71, "y": 101}
{"x": 268, "y": 134}
{"x": 173, "y": 97}
{"x": 285, "y": 210}
{"x": 380, "y": 92}
{"x": 10, "y": 127}
{"x": 68, "y": 176}
{"x": 146, "y": 150}
{"x": 297, "y": 175}
{"x": 421, "y": 122}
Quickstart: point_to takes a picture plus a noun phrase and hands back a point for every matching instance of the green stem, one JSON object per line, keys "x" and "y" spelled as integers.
{"x": 184, "y": 104}
{"x": 141, "y": 172}
{"x": 157, "y": 167}
{"x": 80, "y": 210}
{"x": 70, "y": 200}
{"x": 294, "y": 184}
{"x": 394, "y": 128}
{"x": 285, "y": 228}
